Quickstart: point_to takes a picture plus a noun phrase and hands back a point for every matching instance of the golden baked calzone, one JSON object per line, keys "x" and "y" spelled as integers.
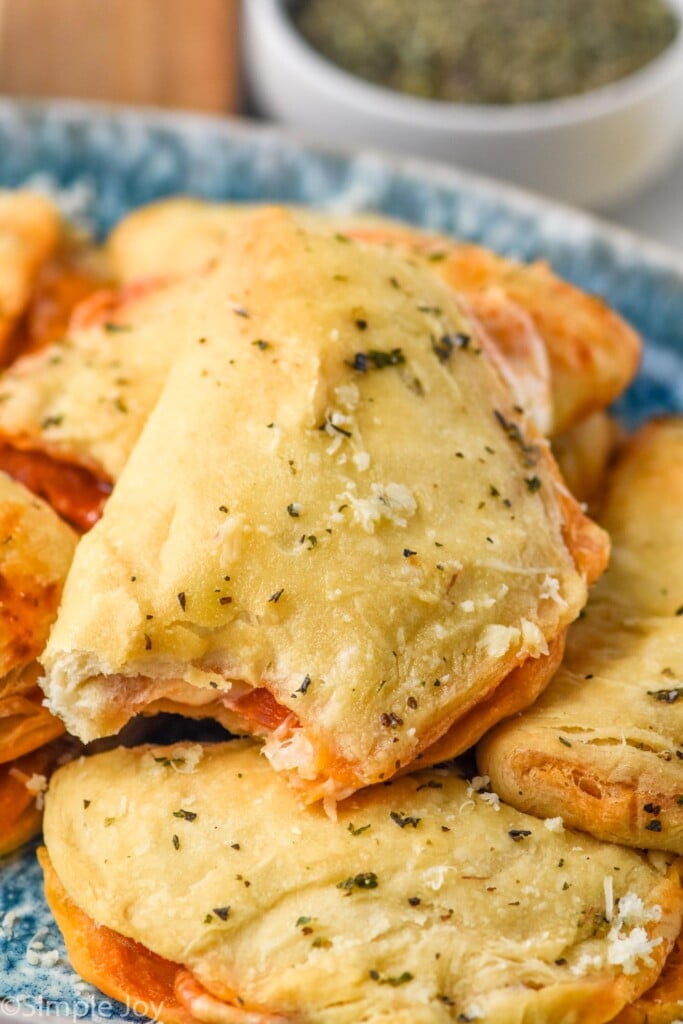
{"x": 603, "y": 746}
{"x": 190, "y": 880}
{"x": 35, "y": 552}
{"x": 335, "y": 531}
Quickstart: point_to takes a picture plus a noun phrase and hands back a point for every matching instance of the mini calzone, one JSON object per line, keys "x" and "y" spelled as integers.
{"x": 603, "y": 746}
{"x": 35, "y": 551}
{"x": 425, "y": 903}
{"x": 335, "y": 532}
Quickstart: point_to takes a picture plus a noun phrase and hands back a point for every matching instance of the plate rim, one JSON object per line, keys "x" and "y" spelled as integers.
{"x": 622, "y": 240}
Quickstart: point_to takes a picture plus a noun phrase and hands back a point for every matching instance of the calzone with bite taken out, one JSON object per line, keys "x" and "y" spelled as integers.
{"x": 335, "y": 532}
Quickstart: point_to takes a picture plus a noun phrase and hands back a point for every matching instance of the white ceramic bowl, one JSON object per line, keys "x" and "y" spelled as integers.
{"x": 593, "y": 149}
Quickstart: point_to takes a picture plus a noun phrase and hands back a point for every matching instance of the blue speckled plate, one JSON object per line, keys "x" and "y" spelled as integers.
{"x": 102, "y": 162}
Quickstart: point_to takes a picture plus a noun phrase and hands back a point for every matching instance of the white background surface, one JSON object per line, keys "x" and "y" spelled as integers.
{"x": 658, "y": 211}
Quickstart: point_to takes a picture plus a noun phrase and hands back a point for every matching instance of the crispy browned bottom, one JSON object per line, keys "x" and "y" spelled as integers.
{"x": 168, "y": 992}
{"x": 131, "y": 973}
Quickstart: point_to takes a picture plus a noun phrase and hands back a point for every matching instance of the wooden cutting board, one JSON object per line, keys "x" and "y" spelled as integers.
{"x": 179, "y": 53}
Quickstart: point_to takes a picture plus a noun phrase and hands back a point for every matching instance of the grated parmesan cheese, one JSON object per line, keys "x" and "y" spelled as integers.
{"x": 492, "y": 799}
{"x": 608, "y": 886}
{"x": 8, "y": 922}
{"x": 435, "y": 877}
{"x": 632, "y": 910}
{"x": 39, "y": 959}
{"x": 392, "y": 502}
{"x": 550, "y": 591}
{"x": 497, "y": 640}
{"x": 554, "y": 824}
{"x": 627, "y": 939}
{"x": 36, "y": 784}
{"x": 37, "y": 955}
{"x": 181, "y": 759}
{"x": 626, "y": 950}
{"x": 585, "y": 962}
{"x": 484, "y": 602}
{"x": 533, "y": 641}
{"x": 348, "y": 396}
{"x": 477, "y": 784}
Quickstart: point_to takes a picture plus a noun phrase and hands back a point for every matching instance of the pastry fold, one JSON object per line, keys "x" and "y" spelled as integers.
{"x": 335, "y": 531}
{"x": 592, "y": 352}
{"x": 35, "y": 553}
{"x": 603, "y": 746}
{"x": 577, "y": 354}
{"x": 425, "y": 902}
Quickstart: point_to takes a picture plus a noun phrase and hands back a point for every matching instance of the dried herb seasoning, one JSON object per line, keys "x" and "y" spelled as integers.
{"x": 666, "y": 696}
{"x": 403, "y": 820}
{"x": 374, "y": 359}
{"x": 517, "y": 834}
{"x": 185, "y": 815}
{"x": 488, "y": 51}
{"x": 366, "y": 880}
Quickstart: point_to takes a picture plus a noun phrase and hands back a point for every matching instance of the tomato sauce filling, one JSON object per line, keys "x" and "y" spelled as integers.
{"x": 62, "y": 284}
{"x": 74, "y": 492}
{"x": 260, "y": 707}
